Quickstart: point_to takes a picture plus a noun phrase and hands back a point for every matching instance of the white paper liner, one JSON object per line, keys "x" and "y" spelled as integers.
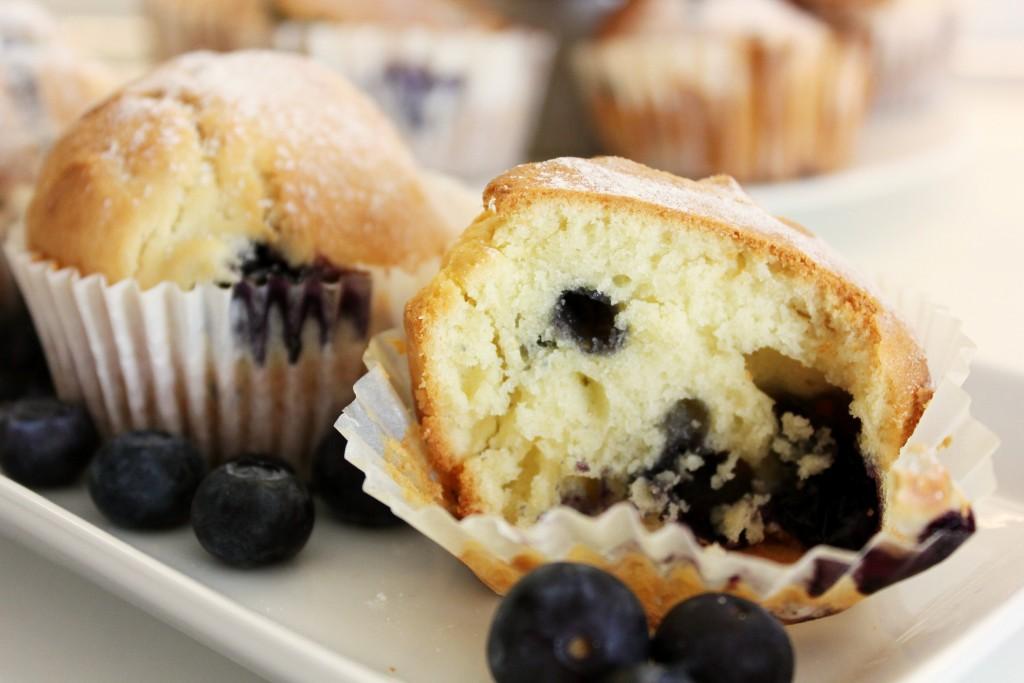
{"x": 166, "y": 358}
{"x": 701, "y": 104}
{"x": 911, "y": 44}
{"x": 477, "y": 93}
{"x": 383, "y": 442}
{"x": 222, "y": 26}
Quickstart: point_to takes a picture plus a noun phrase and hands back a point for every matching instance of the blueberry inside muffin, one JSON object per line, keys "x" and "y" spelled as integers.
{"x": 607, "y": 333}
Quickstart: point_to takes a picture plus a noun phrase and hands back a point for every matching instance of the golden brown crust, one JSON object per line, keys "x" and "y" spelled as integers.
{"x": 716, "y": 205}
{"x": 432, "y": 13}
{"x": 171, "y": 177}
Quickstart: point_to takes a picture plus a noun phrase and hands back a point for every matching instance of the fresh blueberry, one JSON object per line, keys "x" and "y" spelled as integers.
{"x": 45, "y": 443}
{"x": 252, "y": 512}
{"x": 146, "y": 480}
{"x": 566, "y": 623}
{"x": 23, "y": 371}
{"x": 588, "y": 318}
{"x": 721, "y": 638}
{"x": 650, "y": 673}
{"x": 340, "y": 484}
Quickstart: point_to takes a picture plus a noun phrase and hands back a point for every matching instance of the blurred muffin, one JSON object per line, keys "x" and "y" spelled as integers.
{"x": 207, "y": 253}
{"x": 462, "y": 84}
{"x": 909, "y": 42}
{"x": 43, "y": 87}
{"x": 754, "y": 88}
{"x": 222, "y": 25}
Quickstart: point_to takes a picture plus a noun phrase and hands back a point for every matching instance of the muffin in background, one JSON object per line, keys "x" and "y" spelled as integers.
{"x": 207, "y": 253}
{"x": 757, "y": 89}
{"x": 462, "y": 84}
{"x": 222, "y": 25}
{"x": 44, "y": 85}
{"x": 909, "y": 42}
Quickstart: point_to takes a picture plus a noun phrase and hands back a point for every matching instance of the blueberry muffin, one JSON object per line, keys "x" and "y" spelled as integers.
{"x": 463, "y": 84}
{"x": 225, "y": 232}
{"x": 909, "y": 41}
{"x": 605, "y": 332}
{"x": 758, "y": 89}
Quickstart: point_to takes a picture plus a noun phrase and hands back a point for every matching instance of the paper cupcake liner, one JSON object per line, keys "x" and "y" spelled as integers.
{"x": 251, "y": 368}
{"x": 928, "y": 521}
{"x": 701, "y": 105}
{"x": 466, "y": 100}
{"x": 910, "y": 43}
{"x": 185, "y": 25}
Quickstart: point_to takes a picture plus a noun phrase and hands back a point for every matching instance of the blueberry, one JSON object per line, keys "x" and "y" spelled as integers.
{"x": 252, "y": 512}
{"x": 721, "y": 638}
{"x": 650, "y": 673}
{"x": 44, "y": 442}
{"x": 841, "y": 506}
{"x": 146, "y": 480}
{"x": 686, "y": 426}
{"x": 23, "y": 371}
{"x": 588, "y": 318}
{"x": 566, "y": 623}
{"x": 340, "y": 484}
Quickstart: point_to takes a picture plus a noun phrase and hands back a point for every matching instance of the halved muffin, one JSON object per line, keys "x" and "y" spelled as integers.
{"x": 605, "y": 332}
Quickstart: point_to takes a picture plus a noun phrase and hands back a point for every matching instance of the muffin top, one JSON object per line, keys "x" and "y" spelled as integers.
{"x": 764, "y": 18}
{"x": 431, "y": 13}
{"x": 187, "y": 173}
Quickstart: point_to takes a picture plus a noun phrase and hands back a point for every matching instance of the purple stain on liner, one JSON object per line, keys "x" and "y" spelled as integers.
{"x": 826, "y": 574}
{"x": 882, "y": 567}
{"x": 299, "y": 296}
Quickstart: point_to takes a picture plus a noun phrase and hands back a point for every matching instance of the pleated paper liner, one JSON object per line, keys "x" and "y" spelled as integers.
{"x": 249, "y": 368}
{"x": 946, "y": 462}
{"x": 703, "y": 104}
{"x": 465, "y": 100}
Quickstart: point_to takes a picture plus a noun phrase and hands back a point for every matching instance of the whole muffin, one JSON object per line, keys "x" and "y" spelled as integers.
{"x": 225, "y": 232}
{"x": 462, "y": 84}
{"x": 757, "y": 89}
{"x": 910, "y": 43}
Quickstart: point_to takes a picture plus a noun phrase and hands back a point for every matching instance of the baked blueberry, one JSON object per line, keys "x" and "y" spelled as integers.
{"x": 566, "y": 623}
{"x": 588, "y": 318}
{"x": 252, "y": 512}
{"x": 724, "y": 639}
{"x": 686, "y": 426}
{"x": 340, "y": 484}
{"x": 651, "y": 673}
{"x": 45, "y": 443}
{"x": 841, "y": 506}
{"x": 146, "y": 479}
{"x": 411, "y": 87}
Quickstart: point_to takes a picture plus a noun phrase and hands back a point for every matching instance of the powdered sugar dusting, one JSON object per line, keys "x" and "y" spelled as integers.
{"x": 291, "y": 150}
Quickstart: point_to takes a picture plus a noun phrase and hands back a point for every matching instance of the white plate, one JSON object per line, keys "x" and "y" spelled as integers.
{"x": 369, "y": 606}
{"x": 898, "y": 150}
